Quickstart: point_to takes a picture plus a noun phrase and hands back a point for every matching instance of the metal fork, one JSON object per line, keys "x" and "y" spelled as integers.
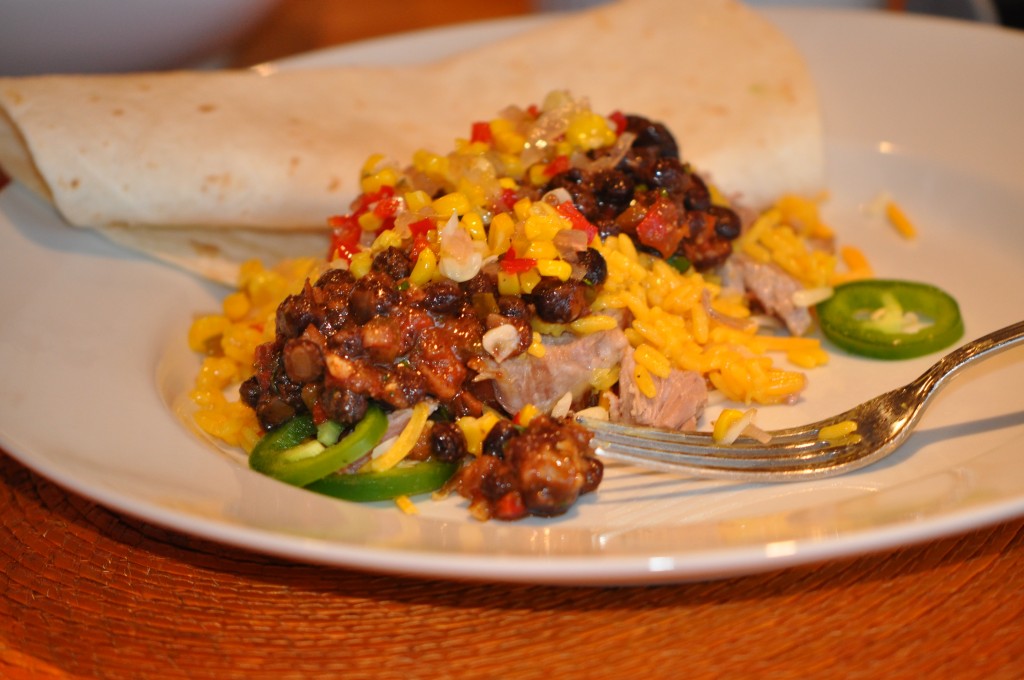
{"x": 798, "y": 453}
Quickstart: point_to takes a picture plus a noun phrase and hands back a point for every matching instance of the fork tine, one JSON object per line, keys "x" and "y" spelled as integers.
{"x": 696, "y": 453}
{"x": 702, "y": 443}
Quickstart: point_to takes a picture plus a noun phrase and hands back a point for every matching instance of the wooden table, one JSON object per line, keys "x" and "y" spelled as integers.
{"x": 85, "y": 592}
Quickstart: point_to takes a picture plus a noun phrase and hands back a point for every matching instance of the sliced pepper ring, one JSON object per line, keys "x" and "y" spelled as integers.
{"x": 867, "y": 318}
{"x": 402, "y": 480}
{"x": 285, "y": 455}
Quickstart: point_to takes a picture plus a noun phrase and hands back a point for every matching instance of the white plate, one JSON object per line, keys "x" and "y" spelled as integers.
{"x": 92, "y": 341}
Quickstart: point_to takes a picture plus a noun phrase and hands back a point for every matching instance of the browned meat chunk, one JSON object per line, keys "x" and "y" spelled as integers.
{"x": 538, "y": 470}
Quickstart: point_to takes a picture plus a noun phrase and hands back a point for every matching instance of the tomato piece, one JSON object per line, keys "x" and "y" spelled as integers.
{"x": 660, "y": 227}
{"x": 579, "y": 221}
{"x": 511, "y": 263}
{"x": 481, "y": 132}
{"x": 890, "y": 319}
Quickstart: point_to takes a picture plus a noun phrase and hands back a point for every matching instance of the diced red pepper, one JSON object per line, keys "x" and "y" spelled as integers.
{"x": 513, "y": 264}
{"x": 386, "y": 207}
{"x": 419, "y": 242}
{"x": 345, "y": 238}
{"x": 557, "y": 166}
{"x": 619, "y": 119}
{"x": 660, "y": 228}
{"x": 510, "y": 506}
{"x": 481, "y": 132}
{"x": 421, "y": 227}
{"x": 533, "y": 110}
{"x": 507, "y": 201}
{"x": 363, "y": 203}
{"x": 579, "y": 221}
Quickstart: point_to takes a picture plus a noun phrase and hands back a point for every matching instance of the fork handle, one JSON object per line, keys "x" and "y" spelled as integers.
{"x": 983, "y": 348}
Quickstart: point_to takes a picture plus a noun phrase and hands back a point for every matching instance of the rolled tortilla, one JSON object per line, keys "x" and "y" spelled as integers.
{"x": 206, "y": 169}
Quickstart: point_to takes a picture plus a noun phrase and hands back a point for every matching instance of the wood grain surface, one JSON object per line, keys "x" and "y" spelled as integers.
{"x": 86, "y": 592}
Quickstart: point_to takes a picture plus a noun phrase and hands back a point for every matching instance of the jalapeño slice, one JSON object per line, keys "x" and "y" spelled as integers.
{"x": 890, "y": 319}
{"x": 291, "y": 455}
{"x": 401, "y": 480}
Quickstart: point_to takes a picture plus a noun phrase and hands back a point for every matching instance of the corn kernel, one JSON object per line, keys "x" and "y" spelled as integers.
{"x": 603, "y": 379}
{"x": 558, "y": 268}
{"x": 360, "y": 264}
{"x": 372, "y": 164}
{"x": 206, "y": 329}
{"x": 541, "y": 250}
{"x": 471, "y": 431}
{"x": 239, "y": 342}
{"x": 474, "y": 224}
{"x": 369, "y": 221}
{"x": 426, "y": 266}
{"x": 542, "y": 227}
{"x": 416, "y": 200}
{"x": 522, "y": 208}
{"x": 589, "y": 131}
{"x": 236, "y": 306}
{"x": 529, "y": 279}
{"x": 455, "y": 202}
{"x": 726, "y": 419}
{"x": 431, "y": 164}
{"x": 499, "y": 237}
{"x": 536, "y": 348}
{"x": 538, "y": 174}
{"x": 487, "y": 421}
{"x": 388, "y": 238}
{"x": 216, "y": 373}
{"x": 373, "y": 183}
{"x": 508, "y": 284}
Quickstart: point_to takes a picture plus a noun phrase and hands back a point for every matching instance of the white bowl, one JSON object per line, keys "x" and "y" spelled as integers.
{"x": 96, "y": 36}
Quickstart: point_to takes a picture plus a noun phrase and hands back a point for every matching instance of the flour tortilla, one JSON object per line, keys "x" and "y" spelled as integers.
{"x": 207, "y": 169}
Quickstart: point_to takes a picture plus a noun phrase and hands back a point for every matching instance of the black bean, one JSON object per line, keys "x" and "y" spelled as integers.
{"x": 394, "y": 262}
{"x": 559, "y": 301}
{"x": 727, "y": 222}
{"x": 496, "y": 439}
{"x": 651, "y": 134}
{"x": 614, "y": 188}
{"x": 303, "y": 361}
{"x": 697, "y": 196}
{"x": 344, "y": 406}
{"x": 481, "y": 283}
{"x": 447, "y": 443}
{"x": 272, "y": 411}
{"x": 443, "y": 297}
{"x": 373, "y": 295}
{"x": 249, "y": 391}
{"x": 513, "y": 307}
{"x": 294, "y": 315}
{"x": 335, "y": 277}
{"x": 594, "y": 265}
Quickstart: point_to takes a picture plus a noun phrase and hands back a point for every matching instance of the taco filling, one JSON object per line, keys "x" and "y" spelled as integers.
{"x": 558, "y": 261}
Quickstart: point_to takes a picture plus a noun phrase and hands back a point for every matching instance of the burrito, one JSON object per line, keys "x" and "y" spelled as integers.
{"x": 208, "y": 169}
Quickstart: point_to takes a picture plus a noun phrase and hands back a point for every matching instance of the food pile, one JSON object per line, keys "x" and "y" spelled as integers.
{"x": 557, "y": 262}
